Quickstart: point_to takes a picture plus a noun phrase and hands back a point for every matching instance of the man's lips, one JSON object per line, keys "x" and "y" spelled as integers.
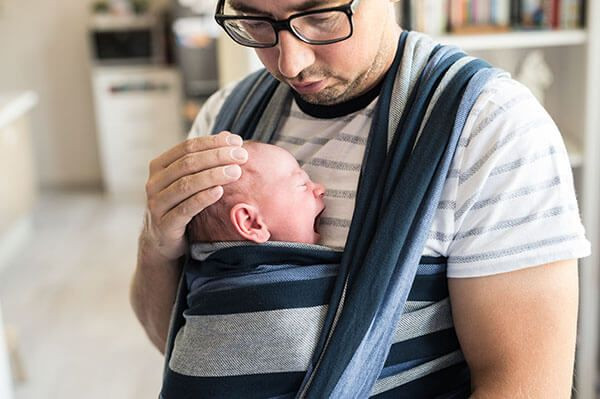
{"x": 308, "y": 87}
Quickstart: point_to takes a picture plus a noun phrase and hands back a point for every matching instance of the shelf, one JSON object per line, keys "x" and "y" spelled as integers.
{"x": 520, "y": 39}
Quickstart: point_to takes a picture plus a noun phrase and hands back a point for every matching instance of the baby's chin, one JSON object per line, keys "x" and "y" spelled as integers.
{"x": 316, "y": 239}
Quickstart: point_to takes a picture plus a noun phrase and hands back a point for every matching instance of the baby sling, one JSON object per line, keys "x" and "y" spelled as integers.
{"x": 365, "y": 289}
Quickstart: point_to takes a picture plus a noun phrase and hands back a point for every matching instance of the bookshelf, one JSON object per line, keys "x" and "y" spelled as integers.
{"x": 572, "y": 53}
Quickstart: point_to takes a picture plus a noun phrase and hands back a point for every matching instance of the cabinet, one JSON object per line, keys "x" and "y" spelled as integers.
{"x": 573, "y": 100}
{"x": 138, "y": 114}
{"x": 18, "y": 183}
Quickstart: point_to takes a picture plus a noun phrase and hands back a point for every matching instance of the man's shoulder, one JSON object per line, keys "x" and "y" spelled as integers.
{"x": 504, "y": 105}
{"x": 205, "y": 119}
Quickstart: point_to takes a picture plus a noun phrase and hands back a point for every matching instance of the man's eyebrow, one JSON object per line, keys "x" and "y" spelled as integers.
{"x": 307, "y": 5}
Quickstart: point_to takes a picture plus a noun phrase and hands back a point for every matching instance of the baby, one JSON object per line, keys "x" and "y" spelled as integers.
{"x": 273, "y": 200}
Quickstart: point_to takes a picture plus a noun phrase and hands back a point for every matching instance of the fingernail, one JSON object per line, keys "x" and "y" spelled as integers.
{"x": 239, "y": 154}
{"x": 232, "y": 171}
{"x": 234, "y": 139}
{"x": 217, "y": 191}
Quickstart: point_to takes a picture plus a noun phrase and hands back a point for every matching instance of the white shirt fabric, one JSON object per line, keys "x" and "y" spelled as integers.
{"x": 507, "y": 204}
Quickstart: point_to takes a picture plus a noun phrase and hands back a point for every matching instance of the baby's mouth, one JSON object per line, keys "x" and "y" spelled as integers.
{"x": 317, "y": 220}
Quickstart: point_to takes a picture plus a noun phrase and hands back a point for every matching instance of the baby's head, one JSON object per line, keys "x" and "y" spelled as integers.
{"x": 273, "y": 200}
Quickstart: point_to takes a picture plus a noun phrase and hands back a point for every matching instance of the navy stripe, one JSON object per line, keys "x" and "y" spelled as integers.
{"x": 179, "y": 386}
{"x": 433, "y": 260}
{"x": 452, "y": 382}
{"x": 296, "y": 294}
{"x": 426, "y": 287}
{"x": 281, "y": 295}
{"x": 425, "y": 347}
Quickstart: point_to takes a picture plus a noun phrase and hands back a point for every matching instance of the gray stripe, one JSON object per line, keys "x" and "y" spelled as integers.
{"x": 343, "y": 137}
{"x": 453, "y": 174}
{"x": 505, "y": 224}
{"x": 517, "y": 133}
{"x": 433, "y": 318}
{"x": 507, "y": 167}
{"x": 335, "y": 222}
{"x": 413, "y": 306}
{"x": 337, "y": 165}
{"x": 464, "y": 142}
{"x": 345, "y": 194}
{"x": 351, "y": 138}
{"x": 300, "y": 141}
{"x": 471, "y": 204}
{"x": 385, "y": 384}
{"x": 447, "y": 205}
{"x": 518, "y": 193}
{"x": 440, "y": 236}
{"x": 513, "y": 250}
{"x": 202, "y": 250}
{"x": 247, "y": 343}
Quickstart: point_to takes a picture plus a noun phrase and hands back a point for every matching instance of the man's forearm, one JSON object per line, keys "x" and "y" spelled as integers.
{"x": 153, "y": 291}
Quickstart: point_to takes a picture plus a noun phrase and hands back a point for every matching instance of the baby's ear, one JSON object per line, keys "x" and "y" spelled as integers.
{"x": 248, "y": 222}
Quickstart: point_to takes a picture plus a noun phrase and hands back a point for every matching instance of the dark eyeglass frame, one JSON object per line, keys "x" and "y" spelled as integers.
{"x": 286, "y": 24}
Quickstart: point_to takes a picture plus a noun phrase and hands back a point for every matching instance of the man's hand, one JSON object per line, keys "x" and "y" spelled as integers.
{"x": 517, "y": 330}
{"x": 183, "y": 181}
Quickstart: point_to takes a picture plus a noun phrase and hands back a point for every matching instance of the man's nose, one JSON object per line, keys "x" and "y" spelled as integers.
{"x": 294, "y": 55}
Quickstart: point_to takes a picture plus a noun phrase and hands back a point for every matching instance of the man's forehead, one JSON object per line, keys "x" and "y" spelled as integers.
{"x": 279, "y": 7}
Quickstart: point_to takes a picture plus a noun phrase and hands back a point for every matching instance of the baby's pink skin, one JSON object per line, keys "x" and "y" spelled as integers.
{"x": 287, "y": 201}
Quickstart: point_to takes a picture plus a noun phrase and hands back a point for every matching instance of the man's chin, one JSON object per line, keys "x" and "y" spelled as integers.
{"x": 324, "y": 97}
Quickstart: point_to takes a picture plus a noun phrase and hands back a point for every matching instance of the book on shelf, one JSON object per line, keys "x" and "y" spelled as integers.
{"x": 437, "y": 17}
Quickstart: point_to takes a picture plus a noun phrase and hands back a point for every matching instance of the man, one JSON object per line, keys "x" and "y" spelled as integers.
{"x": 507, "y": 220}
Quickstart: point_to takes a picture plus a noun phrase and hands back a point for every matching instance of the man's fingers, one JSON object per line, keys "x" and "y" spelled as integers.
{"x": 196, "y": 144}
{"x": 189, "y": 185}
{"x": 183, "y": 213}
{"x": 193, "y": 163}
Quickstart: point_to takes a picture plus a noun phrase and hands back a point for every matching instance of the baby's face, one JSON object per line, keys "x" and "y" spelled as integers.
{"x": 289, "y": 202}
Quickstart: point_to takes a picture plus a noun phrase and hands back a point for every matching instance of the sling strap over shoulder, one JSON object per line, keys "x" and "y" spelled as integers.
{"x": 422, "y": 109}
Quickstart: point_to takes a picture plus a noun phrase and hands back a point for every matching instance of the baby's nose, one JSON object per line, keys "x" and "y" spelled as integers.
{"x": 319, "y": 190}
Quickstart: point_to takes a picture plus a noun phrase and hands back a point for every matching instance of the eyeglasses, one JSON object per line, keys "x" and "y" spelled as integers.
{"x": 320, "y": 26}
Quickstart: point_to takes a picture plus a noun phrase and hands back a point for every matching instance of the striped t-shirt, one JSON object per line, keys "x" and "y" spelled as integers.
{"x": 507, "y": 204}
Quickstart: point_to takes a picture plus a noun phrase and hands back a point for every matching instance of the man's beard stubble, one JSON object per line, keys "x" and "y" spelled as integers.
{"x": 342, "y": 90}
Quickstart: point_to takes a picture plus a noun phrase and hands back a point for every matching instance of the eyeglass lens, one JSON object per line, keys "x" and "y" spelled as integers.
{"x": 314, "y": 28}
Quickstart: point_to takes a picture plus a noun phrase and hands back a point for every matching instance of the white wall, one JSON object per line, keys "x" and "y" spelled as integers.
{"x": 43, "y": 47}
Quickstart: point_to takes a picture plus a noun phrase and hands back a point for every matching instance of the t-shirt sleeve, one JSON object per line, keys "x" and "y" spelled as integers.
{"x": 514, "y": 203}
{"x": 204, "y": 122}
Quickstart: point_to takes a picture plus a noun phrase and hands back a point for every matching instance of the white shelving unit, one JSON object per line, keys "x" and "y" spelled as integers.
{"x": 514, "y": 40}
{"x": 587, "y": 381}
{"x": 574, "y": 102}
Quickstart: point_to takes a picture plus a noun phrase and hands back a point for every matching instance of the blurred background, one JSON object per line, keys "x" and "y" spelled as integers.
{"x": 91, "y": 91}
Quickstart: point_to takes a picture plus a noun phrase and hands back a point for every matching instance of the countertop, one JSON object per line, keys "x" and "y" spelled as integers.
{"x": 14, "y": 104}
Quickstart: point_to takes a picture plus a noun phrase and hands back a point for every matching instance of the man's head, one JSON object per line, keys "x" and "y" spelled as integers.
{"x": 331, "y": 73}
{"x": 273, "y": 200}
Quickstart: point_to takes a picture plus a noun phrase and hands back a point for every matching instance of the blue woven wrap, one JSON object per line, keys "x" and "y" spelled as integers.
{"x": 361, "y": 298}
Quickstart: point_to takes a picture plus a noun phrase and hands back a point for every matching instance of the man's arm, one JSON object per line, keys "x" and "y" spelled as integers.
{"x": 518, "y": 329}
{"x": 182, "y": 182}
{"x": 153, "y": 291}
